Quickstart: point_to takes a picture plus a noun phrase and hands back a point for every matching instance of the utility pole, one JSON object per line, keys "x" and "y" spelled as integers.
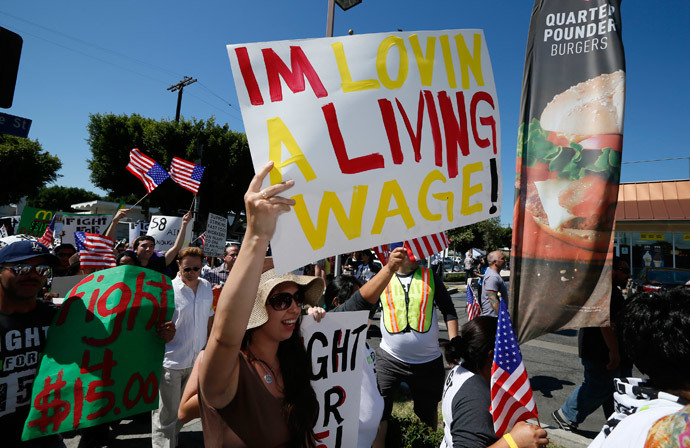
{"x": 179, "y": 87}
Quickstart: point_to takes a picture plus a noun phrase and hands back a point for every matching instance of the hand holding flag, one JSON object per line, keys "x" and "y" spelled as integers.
{"x": 511, "y": 393}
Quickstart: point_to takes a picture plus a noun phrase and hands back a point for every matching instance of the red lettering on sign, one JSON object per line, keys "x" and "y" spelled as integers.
{"x": 301, "y": 68}
{"x": 78, "y": 402}
{"x": 106, "y": 366}
{"x": 72, "y": 297}
{"x": 415, "y": 139}
{"x": 435, "y": 128}
{"x": 486, "y": 121}
{"x": 347, "y": 165}
{"x": 455, "y": 129}
{"x": 118, "y": 310}
{"x": 248, "y": 76}
{"x": 388, "y": 116}
{"x": 53, "y": 411}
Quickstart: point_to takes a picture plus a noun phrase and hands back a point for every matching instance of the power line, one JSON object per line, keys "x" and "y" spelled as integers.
{"x": 116, "y": 53}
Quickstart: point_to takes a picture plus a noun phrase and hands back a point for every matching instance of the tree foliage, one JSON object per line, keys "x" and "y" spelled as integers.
{"x": 60, "y": 198}
{"x": 24, "y": 168}
{"x": 488, "y": 235}
{"x": 224, "y": 154}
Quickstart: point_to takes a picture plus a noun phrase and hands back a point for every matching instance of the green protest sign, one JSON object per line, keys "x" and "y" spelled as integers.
{"x": 102, "y": 360}
{"x": 34, "y": 221}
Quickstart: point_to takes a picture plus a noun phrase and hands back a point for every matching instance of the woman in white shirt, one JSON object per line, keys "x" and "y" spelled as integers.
{"x": 193, "y": 318}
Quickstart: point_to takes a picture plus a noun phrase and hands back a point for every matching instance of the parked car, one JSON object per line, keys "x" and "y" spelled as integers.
{"x": 652, "y": 279}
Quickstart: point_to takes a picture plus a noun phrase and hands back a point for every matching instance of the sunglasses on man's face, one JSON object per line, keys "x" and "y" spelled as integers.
{"x": 283, "y": 300}
{"x": 195, "y": 269}
{"x": 23, "y": 269}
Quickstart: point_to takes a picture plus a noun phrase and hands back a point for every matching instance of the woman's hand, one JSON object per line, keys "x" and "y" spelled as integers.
{"x": 264, "y": 206}
{"x": 529, "y": 436}
{"x": 317, "y": 312}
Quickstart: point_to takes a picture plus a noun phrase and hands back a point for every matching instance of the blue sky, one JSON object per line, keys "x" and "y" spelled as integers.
{"x": 81, "y": 57}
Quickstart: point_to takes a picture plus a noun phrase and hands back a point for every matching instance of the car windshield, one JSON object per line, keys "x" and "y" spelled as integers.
{"x": 668, "y": 277}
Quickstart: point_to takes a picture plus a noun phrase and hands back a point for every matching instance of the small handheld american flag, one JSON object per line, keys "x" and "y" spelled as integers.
{"x": 95, "y": 251}
{"x": 47, "y": 238}
{"x": 511, "y": 393}
{"x": 146, "y": 169}
{"x": 473, "y": 308}
{"x": 426, "y": 246}
{"x": 187, "y": 174}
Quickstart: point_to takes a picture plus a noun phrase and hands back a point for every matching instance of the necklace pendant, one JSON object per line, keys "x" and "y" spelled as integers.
{"x": 268, "y": 378}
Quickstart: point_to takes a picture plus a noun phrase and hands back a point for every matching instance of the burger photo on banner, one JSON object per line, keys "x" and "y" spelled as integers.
{"x": 568, "y": 167}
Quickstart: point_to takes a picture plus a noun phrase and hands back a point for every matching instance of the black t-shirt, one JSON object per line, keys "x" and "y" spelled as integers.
{"x": 590, "y": 342}
{"x": 22, "y": 339}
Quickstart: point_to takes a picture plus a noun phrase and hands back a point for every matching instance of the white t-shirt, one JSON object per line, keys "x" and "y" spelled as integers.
{"x": 412, "y": 347}
{"x": 191, "y": 315}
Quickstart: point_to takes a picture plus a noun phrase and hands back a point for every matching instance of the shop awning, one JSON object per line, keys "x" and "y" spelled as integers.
{"x": 654, "y": 201}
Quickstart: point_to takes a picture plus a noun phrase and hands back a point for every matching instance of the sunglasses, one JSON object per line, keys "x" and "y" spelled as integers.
{"x": 283, "y": 300}
{"x": 195, "y": 269}
{"x": 23, "y": 269}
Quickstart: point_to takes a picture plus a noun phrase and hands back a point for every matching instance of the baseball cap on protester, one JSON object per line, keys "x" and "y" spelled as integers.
{"x": 23, "y": 250}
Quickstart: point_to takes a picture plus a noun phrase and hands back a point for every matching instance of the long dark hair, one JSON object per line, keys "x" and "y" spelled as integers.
{"x": 300, "y": 404}
{"x": 477, "y": 338}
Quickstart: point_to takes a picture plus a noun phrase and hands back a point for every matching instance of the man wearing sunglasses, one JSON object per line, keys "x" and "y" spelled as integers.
{"x": 24, "y": 321}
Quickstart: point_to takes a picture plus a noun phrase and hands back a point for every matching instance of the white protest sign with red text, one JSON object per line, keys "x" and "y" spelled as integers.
{"x": 387, "y": 136}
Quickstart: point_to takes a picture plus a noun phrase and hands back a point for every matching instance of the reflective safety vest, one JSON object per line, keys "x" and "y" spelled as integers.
{"x": 411, "y": 310}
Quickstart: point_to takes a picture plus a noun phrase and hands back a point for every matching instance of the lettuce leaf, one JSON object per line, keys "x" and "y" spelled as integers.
{"x": 571, "y": 162}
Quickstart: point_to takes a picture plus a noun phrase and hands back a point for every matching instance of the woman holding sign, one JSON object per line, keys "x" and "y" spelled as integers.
{"x": 254, "y": 375}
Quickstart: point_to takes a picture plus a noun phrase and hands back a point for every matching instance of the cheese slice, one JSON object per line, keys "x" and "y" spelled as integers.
{"x": 549, "y": 190}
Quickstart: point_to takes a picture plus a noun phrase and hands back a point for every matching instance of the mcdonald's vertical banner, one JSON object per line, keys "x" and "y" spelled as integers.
{"x": 568, "y": 166}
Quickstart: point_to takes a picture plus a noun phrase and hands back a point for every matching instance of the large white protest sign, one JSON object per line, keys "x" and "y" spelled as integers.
{"x": 388, "y": 137}
{"x": 83, "y": 223}
{"x": 136, "y": 229}
{"x": 336, "y": 348}
{"x": 216, "y": 231}
{"x": 165, "y": 230}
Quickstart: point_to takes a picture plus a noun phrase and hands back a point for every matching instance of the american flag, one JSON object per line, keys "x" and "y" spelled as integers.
{"x": 202, "y": 238}
{"x": 473, "y": 308}
{"x": 511, "y": 392}
{"x": 95, "y": 251}
{"x": 426, "y": 246}
{"x": 47, "y": 238}
{"x": 146, "y": 169}
{"x": 187, "y": 174}
{"x": 382, "y": 253}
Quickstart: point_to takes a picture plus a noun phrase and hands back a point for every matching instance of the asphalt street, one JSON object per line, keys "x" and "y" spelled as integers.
{"x": 551, "y": 362}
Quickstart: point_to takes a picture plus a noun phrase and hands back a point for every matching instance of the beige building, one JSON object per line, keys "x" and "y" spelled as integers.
{"x": 653, "y": 224}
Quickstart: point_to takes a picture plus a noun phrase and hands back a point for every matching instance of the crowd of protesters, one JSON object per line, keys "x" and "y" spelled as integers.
{"x": 244, "y": 370}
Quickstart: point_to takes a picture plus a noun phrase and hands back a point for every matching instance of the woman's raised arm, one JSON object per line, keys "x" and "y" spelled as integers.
{"x": 219, "y": 369}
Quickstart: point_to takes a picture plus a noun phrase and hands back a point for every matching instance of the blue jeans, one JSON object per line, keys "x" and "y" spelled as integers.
{"x": 596, "y": 390}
